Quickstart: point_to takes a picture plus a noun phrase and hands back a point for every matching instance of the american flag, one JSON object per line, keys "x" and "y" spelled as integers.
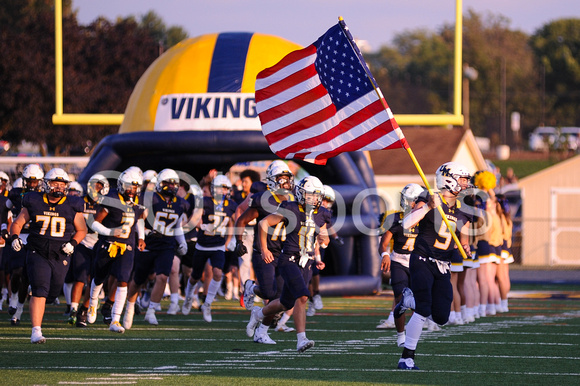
{"x": 322, "y": 100}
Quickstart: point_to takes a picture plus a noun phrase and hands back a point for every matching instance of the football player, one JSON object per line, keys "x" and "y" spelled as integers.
{"x": 306, "y": 222}
{"x": 119, "y": 222}
{"x": 431, "y": 292}
{"x": 280, "y": 182}
{"x": 4, "y": 181}
{"x": 32, "y": 176}
{"x": 167, "y": 212}
{"x": 398, "y": 260}
{"x": 57, "y": 226}
{"x": 84, "y": 256}
{"x": 216, "y": 232}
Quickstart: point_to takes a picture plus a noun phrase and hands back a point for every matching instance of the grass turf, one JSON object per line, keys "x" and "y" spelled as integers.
{"x": 536, "y": 342}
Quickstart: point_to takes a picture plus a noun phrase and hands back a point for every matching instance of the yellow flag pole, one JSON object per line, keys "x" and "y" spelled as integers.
{"x": 409, "y": 151}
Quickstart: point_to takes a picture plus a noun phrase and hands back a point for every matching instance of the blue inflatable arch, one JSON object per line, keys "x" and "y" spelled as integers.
{"x": 353, "y": 269}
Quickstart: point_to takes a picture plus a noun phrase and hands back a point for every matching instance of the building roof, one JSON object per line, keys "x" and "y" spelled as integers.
{"x": 431, "y": 146}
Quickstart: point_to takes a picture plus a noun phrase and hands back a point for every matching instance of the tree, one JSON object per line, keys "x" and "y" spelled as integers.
{"x": 557, "y": 49}
{"x": 102, "y": 63}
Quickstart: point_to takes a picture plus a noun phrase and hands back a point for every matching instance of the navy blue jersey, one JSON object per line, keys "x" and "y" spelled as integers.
{"x": 193, "y": 203}
{"x": 266, "y": 203}
{"x": 121, "y": 214}
{"x": 217, "y": 215}
{"x": 53, "y": 221}
{"x": 434, "y": 239}
{"x": 15, "y": 197}
{"x": 403, "y": 239}
{"x": 89, "y": 213}
{"x": 164, "y": 218}
{"x": 3, "y": 209}
{"x": 301, "y": 231}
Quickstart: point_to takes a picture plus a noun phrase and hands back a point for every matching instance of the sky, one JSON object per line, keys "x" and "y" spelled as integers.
{"x": 303, "y": 21}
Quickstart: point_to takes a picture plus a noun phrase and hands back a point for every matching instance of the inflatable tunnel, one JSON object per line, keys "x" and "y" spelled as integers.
{"x": 193, "y": 110}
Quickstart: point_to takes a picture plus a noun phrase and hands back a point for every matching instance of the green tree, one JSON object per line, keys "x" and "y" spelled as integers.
{"x": 557, "y": 49}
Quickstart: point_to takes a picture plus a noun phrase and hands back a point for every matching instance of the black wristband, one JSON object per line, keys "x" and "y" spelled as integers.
{"x": 73, "y": 242}
{"x": 14, "y": 237}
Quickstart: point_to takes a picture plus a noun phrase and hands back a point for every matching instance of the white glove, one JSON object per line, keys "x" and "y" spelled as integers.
{"x": 182, "y": 249}
{"x": 232, "y": 245}
{"x": 68, "y": 248}
{"x": 17, "y": 244}
{"x": 303, "y": 260}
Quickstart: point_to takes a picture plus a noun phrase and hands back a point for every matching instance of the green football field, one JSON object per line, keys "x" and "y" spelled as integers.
{"x": 536, "y": 342}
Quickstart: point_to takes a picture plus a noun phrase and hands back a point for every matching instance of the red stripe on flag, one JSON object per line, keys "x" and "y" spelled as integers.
{"x": 343, "y": 127}
{"x": 293, "y": 104}
{"x": 289, "y": 59}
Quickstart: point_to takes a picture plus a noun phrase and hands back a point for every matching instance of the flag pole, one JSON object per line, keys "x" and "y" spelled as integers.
{"x": 342, "y": 24}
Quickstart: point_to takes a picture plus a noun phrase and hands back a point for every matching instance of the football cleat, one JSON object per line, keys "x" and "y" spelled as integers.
{"x": 432, "y": 326}
{"x": 276, "y": 319}
{"x": 386, "y": 324}
{"x": 310, "y": 311}
{"x": 317, "y": 300}
{"x": 304, "y": 345}
{"x": 37, "y": 337}
{"x": 106, "y": 312}
{"x": 186, "y": 307}
{"x": 15, "y": 321}
{"x": 206, "y": 312}
{"x": 284, "y": 328}
{"x": 248, "y": 297}
{"x": 407, "y": 302}
{"x": 81, "y": 317}
{"x": 92, "y": 315}
{"x": 145, "y": 299}
{"x": 264, "y": 339}
{"x": 173, "y": 309}
{"x": 116, "y": 327}
{"x": 195, "y": 304}
{"x": 72, "y": 319}
{"x": 407, "y": 364}
{"x": 150, "y": 317}
{"x": 254, "y": 321}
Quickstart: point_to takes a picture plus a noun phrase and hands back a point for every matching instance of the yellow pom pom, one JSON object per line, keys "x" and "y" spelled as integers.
{"x": 484, "y": 180}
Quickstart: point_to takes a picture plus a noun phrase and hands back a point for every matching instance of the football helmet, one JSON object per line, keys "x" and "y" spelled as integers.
{"x": 222, "y": 182}
{"x": 93, "y": 190}
{"x": 75, "y": 186}
{"x": 309, "y": 192}
{"x": 278, "y": 175}
{"x": 51, "y": 180}
{"x": 18, "y": 183}
{"x": 447, "y": 177}
{"x": 129, "y": 183}
{"x": 167, "y": 182}
{"x": 329, "y": 194}
{"x": 409, "y": 194}
{"x": 32, "y": 176}
{"x": 4, "y": 177}
{"x": 151, "y": 176}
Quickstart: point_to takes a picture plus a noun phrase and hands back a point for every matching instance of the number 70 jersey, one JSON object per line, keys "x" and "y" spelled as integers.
{"x": 53, "y": 221}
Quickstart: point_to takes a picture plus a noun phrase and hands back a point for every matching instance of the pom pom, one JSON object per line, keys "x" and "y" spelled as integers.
{"x": 484, "y": 180}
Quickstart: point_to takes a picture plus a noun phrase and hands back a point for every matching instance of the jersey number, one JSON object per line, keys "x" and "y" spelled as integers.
{"x": 305, "y": 239}
{"x": 279, "y": 232}
{"x": 219, "y": 222}
{"x": 126, "y": 227}
{"x": 445, "y": 235}
{"x": 165, "y": 223}
{"x": 57, "y": 225}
